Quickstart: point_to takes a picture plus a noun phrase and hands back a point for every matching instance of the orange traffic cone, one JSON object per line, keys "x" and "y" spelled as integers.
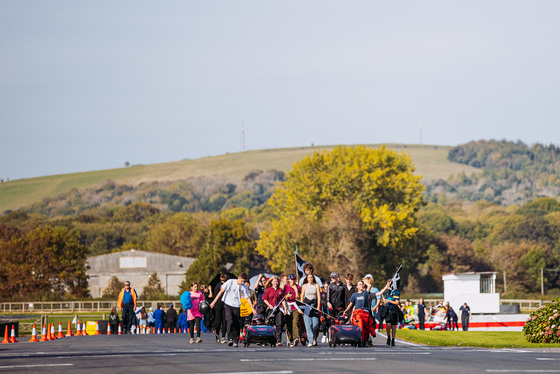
{"x": 78, "y": 328}
{"x": 6, "y": 336}
{"x": 34, "y": 335}
{"x": 120, "y": 331}
{"x": 53, "y": 335}
{"x": 69, "y": 331}
{"x": 13, "y": 337}
{"x": 108, "y": 329}
{"x": 44, "y": 335}
{"x": 84, "y": 332}
{"x": 137, "y": 329}
{"x": 60, "y": 333}
{"x": 153, "y": 330}
{"x": 97, "y": 329}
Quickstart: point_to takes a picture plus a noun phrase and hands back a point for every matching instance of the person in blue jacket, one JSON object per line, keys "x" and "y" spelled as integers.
{"x": 182, "y": 322}
{"x": 158, "y": 316}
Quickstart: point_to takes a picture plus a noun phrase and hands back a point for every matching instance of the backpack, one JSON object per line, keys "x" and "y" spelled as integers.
{"x": 186, "y": 300}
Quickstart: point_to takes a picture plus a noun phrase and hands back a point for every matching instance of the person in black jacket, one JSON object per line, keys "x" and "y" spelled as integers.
{"x": 465, "y": 316}
{"x": 171, "y": 318}
{"x": 349, "y": 289}
{"x": 421, "y": 308}
{"x": 336, "y": 295}
{"x": 451, "y": 318}
{"x": 219, "y": 311}
{"x": 335, "y": 299}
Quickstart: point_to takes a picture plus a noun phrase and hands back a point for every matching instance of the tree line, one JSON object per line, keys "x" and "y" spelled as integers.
{"x": 512, "y": 173}
{"x": 353, "y": 209}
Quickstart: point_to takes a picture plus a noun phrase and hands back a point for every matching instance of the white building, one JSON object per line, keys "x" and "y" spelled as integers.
{"x": 136, "y": 267}
{"x": 478, "y": 290}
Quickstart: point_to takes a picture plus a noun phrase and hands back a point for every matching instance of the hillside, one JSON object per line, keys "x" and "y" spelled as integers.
{"x": 431, "y": 162}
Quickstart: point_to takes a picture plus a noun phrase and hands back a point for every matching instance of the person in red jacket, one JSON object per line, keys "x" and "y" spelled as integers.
{"x": 272, "y": 296}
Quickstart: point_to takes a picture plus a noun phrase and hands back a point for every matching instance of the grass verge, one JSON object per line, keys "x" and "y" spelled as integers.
{"x": 485, "y": 339}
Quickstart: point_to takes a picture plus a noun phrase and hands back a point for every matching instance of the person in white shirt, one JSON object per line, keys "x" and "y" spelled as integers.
{"x": 233, "y": 291}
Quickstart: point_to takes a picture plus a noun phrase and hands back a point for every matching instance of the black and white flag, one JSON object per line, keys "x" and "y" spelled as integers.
{"x": 299, "y": 266}
{"x": 396, "y": 279}
{"x": 306, "y": 309}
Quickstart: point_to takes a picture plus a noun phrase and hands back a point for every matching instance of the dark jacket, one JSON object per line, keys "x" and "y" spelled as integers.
{"x": 114, "y": 319}
{"x": 171, "y": 317}
{"x": 336, "y": 295}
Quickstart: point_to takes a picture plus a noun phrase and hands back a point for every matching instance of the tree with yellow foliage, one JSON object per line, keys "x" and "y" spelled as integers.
{"x": 348, "y": 209}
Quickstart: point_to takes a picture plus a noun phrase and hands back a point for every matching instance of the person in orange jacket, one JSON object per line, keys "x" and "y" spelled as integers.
{"x": 127, "y": 303}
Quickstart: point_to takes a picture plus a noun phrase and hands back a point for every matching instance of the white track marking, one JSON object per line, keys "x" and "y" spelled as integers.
{"x": 307, "y": 359}
{"x": 252, "y": 372}
{"x": 400, "y": 341}
{"x": 522, "y": 371}
{"x": 33, "y": 366}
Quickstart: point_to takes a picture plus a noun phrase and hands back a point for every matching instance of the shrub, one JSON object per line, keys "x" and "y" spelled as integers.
{"x": 543, "y": 325}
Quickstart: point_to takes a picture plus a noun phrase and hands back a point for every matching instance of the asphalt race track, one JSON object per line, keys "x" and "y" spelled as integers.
{"x": 171, "y": 353}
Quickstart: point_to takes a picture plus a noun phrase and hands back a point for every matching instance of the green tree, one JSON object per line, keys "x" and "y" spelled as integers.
{"x": 154, "y": 290}
{"x": 136, "y": 212}
{"x": 113, "y": 288}
{"x": 47, "y": 263}
{"x": 179, "y": 235}
{"x": 229, "y": 242}
{"x": 375, "y": 186}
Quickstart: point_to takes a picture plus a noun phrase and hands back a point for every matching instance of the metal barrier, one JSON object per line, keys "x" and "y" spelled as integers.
{"x": 527, "y": 305}
{"x": 73, "y": 306}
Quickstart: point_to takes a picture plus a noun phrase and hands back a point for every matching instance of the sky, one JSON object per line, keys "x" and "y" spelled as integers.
{"x": 90, "y": 85}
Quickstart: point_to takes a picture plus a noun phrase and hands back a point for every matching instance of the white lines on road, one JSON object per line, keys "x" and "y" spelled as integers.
{"x": 399, "y": 341}
{"x": 105, "y": 356}
{"x": 307, "y": 359}
{"x": 251, "y": 372}
{"x": 547, "y": 359}
{"x": 369, "y": 353}
{"x": 523, "y": 371}
{"x": 33, "y": 366}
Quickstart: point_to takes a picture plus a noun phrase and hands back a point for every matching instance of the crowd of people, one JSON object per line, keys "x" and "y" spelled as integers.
{"x": 234, "y": 302}
{"x": 277, "y": 297}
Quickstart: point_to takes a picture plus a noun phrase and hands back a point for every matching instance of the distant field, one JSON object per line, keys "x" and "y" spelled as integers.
{"x": 430, "y": 161}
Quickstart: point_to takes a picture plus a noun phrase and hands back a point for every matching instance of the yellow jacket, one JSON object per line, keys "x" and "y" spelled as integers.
{"x": 133, "y": 293}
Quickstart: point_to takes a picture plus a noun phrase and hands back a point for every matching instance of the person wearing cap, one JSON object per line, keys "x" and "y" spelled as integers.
{"x": 171, "y": 318}
{"x": 151, "y": 319}
{"x": 127, "y": 304}
{"x": 335, "y": 296}
{"x": 292, "y": 291}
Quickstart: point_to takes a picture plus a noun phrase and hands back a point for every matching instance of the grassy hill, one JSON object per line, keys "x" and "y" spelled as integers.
{"x": 431, "y": 162}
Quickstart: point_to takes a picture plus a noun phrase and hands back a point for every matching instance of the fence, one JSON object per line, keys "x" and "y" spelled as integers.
{"x": 105, "y": 306}
{"x": 73, "y": 306}
{"x": 525, "y": 305}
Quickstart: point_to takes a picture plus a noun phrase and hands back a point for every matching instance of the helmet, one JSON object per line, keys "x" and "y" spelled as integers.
{"x": 257, "y": 320}
{"x": 203, "y": 307}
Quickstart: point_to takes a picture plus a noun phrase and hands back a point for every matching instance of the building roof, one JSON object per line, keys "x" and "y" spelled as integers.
{"x": 133, "y": 261}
